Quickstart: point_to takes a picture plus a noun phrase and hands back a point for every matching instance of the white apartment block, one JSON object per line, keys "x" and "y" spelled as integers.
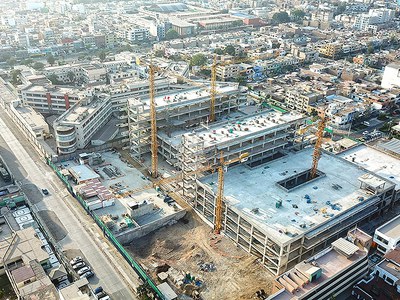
{"x": 387, "y": 236}
{"x": 87, "y": 73}
{"x": 74, "y": 129}
{"x": 48, "y": 98}
{"x": 375, "y": 16}
{"x": 342, "y": 111}
{"x": 137, "y": 34}
{"x": 65, "y": 73}
{"x": 228, "y": 72}
{"x": 391, "y": 76}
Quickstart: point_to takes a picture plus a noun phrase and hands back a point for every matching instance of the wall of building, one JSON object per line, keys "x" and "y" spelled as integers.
{"x": 128, "y": 236}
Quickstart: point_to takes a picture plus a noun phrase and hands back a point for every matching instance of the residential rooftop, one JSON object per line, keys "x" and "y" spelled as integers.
{"x": 334, "y": 194}
{"x": 376, "y": 161}
{"x": 83, "y": 109}
{"x": 330, "y": 261}
{"x": 391, "y": 229}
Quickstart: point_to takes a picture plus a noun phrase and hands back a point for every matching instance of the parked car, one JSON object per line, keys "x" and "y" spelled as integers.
{"x": 98, "y": 290}
{"x": 105, "y": 298}
{"x": 76, "y": 260}
{"x": 88, "y": 274}
{"x": 45, "y": 192}
{"x": 365, "y": 132}
{"x": 83, "y": 270}
{"x": 101, "y": 295}
{"x": 79, "y": 265}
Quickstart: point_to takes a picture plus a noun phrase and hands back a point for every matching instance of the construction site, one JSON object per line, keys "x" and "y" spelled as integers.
{"x": 255, "y": 195}
{"x": 217, "y": 194}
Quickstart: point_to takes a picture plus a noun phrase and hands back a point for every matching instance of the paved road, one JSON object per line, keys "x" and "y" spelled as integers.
{"x": 82, "y": 233}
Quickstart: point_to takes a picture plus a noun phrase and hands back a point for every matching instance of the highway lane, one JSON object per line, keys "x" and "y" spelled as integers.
{"x": 82, "y": 232}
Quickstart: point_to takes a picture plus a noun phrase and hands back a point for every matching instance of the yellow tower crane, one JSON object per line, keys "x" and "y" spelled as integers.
{"x": 213, "y": 89}
{"x": 220, "y": 192}
{"x": 153, "y": 121}
{"x": 318, "y": 143}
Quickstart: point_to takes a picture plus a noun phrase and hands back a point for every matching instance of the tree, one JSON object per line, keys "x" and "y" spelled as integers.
{"x": 171, "y": 34}
{"x": 50, "y": 59}
{"x": 38, "y": 66}
{"x": 219, "y": 51}
{"x": 281, "y": 17}
{"x": 230, "y": 50}
{"x": 370, "y": 48}
{"x": 341, "y": 8}
{"x": 298, "y": 14}
{"x": 237, "y": 23}
{"x": 125, "y": 48}
{"x": 198, "y": 60}
{"x": 27, "y": 62}
{"x": 102, "y": 55}
{"x": 53, "y": 78}
{"x": 11, "y": 62}
{"x": 159, "y": 53}
{"x": 241, "y": 80}
{"x": 15, "y": 80}
{"x": 71, "y": 76}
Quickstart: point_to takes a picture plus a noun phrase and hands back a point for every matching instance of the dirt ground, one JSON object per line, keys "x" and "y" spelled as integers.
{"x": 190, "y": 241}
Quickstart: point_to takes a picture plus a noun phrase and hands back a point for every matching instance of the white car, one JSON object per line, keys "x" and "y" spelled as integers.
{"x": 83, "y": 270}
{"x": 78, "y": 265}
{"x": 76, "y": 260}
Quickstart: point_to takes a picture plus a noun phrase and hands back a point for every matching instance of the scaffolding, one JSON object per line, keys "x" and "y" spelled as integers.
{"x": 191, "y": 158}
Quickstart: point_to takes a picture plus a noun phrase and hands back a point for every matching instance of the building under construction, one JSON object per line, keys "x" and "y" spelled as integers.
{"x": 179, "y": 109}
{"x": 278, "y": 213}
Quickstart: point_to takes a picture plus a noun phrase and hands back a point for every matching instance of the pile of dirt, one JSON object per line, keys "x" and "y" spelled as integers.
{"x": 189, "y": 246}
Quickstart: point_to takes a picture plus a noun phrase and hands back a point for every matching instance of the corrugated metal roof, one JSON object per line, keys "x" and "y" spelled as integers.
{"x": 345, "y": 246}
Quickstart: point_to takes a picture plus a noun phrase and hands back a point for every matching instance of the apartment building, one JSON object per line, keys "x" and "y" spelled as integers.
{"x": 378, "y": 16}
{"x": 391, "y": 76}
{"x": 231, "y": 71}
{"x": 300, "y": 216}
{"x": 66, "y": 73}
{"x": 387, "y": 236}
{"x": 302, "y": 99}
{"x": 75, "y": 128}
{"x": 49, "y": 99}
{"x": 325, "y": 275}
{"x": 341, "y": 110}
{"x": 331, "y": 50}
{"x": 93, "y": 73}
{"x": 87, "y": 73}
{"x": 384, "y": 281}
{"x": 137, "y": 34}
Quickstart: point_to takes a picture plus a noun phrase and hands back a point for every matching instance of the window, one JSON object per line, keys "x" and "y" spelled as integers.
{"x": 389, "y": 280}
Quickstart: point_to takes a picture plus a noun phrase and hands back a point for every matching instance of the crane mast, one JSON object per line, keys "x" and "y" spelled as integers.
{"x": 220, "y": 195}
{"x": 213, "y": 89}
{"x": 154, "y": 145}
{"x": 318, "y": 143}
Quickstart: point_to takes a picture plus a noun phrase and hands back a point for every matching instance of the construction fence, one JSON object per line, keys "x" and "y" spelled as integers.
{"x": 136, "y": 267}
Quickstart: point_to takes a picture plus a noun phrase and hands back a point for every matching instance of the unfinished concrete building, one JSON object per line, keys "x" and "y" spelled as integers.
{"x": 180, "y": 109}
{"x": 276, "y": 212}
{"x": 263, "y": 135}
